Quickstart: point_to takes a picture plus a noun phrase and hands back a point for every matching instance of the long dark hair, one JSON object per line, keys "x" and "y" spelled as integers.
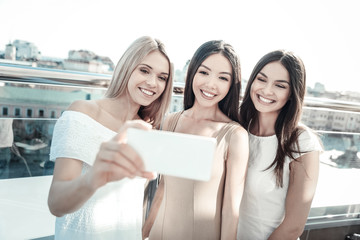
{"x": 286, "y": 126}
{"x": 230, "y": 104}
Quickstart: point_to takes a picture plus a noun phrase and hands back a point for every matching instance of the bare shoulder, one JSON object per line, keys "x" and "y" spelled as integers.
{"x": 88, "y": 107}
{"x": 239, "y": 135}
{"x": 239, "y": 130}
{"x": 239, "y": 145}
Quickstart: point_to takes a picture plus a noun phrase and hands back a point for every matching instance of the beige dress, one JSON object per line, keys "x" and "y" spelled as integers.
{"x": 192, "y": 209}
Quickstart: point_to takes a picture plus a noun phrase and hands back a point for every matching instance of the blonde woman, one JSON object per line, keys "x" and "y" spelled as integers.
{"x": 98, "y": 183}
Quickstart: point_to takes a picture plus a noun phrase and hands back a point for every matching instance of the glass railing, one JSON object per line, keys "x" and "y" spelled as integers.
{"x": 335, "y": 210}
{"x": 32, "y": 99}
{"x": 337, "y": 199}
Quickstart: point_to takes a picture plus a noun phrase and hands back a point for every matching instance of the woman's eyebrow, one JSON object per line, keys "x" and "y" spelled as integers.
{"x": 263, "y": 74}
{"x": 144, "y": 64}
{"x": 210, "y": 70}
{"x": 282, "y": 81}
{"x": 205, "y": 67}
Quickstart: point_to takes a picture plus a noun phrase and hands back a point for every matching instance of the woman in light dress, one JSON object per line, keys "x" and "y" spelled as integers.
{"x": 284, "y": 155}
{"x": 98, "y": 182}
{"x": 189, "y": 209}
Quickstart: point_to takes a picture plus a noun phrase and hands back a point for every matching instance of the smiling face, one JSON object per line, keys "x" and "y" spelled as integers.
{"x": 270, "y": 89}
{"x": 148, "y": 80}
{"x": 212, "y": 80}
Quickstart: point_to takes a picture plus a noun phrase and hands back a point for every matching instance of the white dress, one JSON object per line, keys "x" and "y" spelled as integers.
{"x": 115, "y": 210}
{"x": 263, "y": 204}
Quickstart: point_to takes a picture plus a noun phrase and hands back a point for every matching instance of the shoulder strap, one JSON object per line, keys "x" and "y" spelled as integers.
{"x": 174, "y": 118}
{"x": 225, "y": 134}
{"x": 227, "y": 131}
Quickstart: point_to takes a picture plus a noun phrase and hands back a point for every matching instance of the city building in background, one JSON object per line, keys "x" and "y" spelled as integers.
{"x": 87, "y": 61}
{"x": 21, "y": 52}
{"x": 10, "y": 52}
{"x": 26, "y": 50}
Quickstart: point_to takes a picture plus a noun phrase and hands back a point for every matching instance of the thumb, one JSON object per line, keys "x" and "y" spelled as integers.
{"x": 139, "y": 124}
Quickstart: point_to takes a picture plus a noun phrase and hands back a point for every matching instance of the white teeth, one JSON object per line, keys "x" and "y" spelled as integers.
{"x": 208, "y": 94}
{"x": 147, "y": 92}
{"x": 265, "y": 100}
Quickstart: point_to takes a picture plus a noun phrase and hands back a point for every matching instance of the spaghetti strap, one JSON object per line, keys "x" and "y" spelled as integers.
{"x": 227, "y": 131}
{"x": 174, "y": 118}
{"x": 225, "y": 134}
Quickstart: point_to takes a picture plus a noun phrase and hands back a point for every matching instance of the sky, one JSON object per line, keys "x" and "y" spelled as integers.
{"x": 324, "y": 33}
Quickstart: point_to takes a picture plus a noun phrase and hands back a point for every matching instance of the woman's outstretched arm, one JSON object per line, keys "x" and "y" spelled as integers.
{"x": 115, "y": 160}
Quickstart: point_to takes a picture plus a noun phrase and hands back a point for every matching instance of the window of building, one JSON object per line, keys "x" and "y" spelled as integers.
{"x": 5, "y": 111}
{"x": 53, "y": 114}
{"x": 41, "y": 112}
{"x": 29, "y": 112}
{"x": 17, "y": 112}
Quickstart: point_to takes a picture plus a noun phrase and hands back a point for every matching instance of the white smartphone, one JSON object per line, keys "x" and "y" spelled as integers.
{"x": 174, "y": 154}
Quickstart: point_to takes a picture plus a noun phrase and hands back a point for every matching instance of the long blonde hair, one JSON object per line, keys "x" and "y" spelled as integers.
{"x": 131, "y": 58}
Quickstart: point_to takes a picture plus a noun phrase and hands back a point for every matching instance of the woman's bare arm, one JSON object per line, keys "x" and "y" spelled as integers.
{"x": 302, "y": 185}
{"x": 115, "y": 160}
{"x": 236, "y": 166}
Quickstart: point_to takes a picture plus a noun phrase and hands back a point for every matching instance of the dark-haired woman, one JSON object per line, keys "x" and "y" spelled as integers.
{"x": 189, "y": 209}
{"x": 284, "y": 155}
